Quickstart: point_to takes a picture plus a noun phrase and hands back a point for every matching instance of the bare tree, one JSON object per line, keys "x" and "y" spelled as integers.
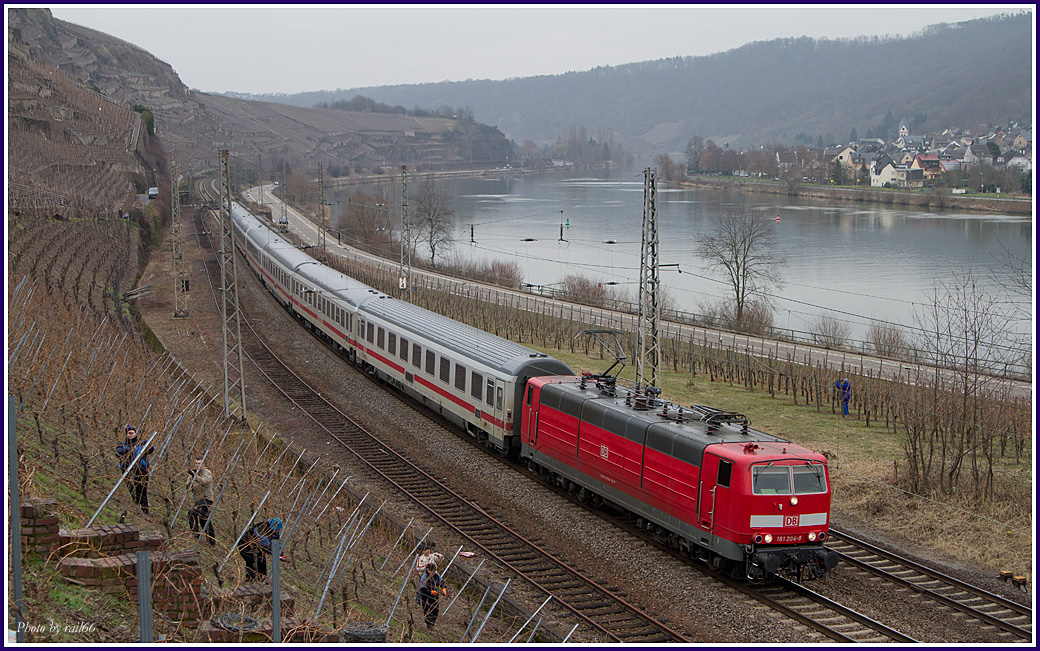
{"x": 742, "y": 245}
{"x": 964, "y": 330}
{"x": 671, "y": 170}
{"x": 888, "y": 340}
{"x": 366, "y": 219}
{"x": 830, "y": 332}
{"x": 582, "y": 289}
{"x": 1017, "y": 281}
{"x": 433, "y": 224}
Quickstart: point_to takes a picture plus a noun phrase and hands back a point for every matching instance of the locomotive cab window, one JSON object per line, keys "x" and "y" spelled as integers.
{"x": 809, "y": 478}
{"x": 771, "y": 480}
{"x": 779, "y": 480}
{"x": 725, "y": 472}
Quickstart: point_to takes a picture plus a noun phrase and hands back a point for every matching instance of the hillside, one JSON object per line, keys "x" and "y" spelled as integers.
{"x": 194, "y": 126}
{"x": 955, "y": 75}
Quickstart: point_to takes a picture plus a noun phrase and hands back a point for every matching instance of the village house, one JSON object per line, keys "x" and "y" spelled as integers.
{"x": 929, "y": 164}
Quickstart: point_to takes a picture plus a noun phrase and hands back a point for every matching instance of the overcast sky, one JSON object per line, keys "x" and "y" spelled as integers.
{"x": 290, "y": 49}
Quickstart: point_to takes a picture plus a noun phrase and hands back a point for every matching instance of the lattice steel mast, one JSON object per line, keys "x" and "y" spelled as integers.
{"x": 180, "y": 275}
{"x": 405, "y": 273}
{"x": 648, "y": 361}
{"x": 283, "y": 222}
{"x": 234, "y": 379}
{"x": 321, "y": 204}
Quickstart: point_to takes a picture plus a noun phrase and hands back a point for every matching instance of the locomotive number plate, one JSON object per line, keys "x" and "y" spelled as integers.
{"x": 788, "y": 539}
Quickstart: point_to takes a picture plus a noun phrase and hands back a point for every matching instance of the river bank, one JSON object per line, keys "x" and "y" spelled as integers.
{"x": 936, "y": 198}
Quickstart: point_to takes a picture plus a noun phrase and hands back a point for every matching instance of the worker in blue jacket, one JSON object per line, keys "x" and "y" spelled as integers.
{"x": 255, "y": 546}
{"x": 846, "y": 395}
{"x": 137, "y": 479}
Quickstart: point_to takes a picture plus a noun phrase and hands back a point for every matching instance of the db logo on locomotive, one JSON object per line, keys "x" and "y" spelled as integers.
{"x": 790, "y": 520}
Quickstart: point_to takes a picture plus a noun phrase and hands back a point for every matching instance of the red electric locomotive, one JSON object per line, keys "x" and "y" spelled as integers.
{"x": 749, "y": 503}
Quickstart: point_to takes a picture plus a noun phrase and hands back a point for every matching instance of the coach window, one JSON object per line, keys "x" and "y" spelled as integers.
{"x": 431, "y": 363}
{"x": 371, "y": 333}
{"x": 416, "y": 355}
{"x": 391, "y": 344}
{"x": 380, "y": 338}
{"x": 460, "y": 378}
{"x": 476, "y": 385}
{"x": 445, "y": 370}
{"x": 725, "y": 472}
{"x": 490, "y": 393}
{"x": 404, "y": 349}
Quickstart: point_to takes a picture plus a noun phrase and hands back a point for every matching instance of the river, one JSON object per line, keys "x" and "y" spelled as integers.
{"x": 849, "y": 261}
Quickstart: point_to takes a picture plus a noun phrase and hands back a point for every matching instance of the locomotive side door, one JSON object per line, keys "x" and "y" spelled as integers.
{"x": 530, "y": 414}
{"x": 706, "y": 500}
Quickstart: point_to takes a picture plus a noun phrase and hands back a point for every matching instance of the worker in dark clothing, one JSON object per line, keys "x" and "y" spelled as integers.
{"x": 137, "y": 479}
{"x": 431, "y": 588}
{"x": 255, "y": 545}
{"x": 200, "y": 481}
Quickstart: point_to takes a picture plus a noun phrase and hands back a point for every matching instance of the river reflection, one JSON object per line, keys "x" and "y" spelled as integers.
{"x": 849, "y": 261}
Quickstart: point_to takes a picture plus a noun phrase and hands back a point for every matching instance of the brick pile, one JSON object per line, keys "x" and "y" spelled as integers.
{"x": 105, "y": 558}
{"x": 176, "y": 580}
{"x": 39, "y": 525}
{"x": 107, "y": 540}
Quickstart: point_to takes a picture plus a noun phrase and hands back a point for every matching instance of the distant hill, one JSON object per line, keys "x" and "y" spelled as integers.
{"x": 956, "y": 75}
{"x": 194, "y": 126}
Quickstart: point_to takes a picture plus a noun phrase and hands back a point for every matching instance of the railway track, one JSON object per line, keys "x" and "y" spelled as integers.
{"x": 600, "y": 608}
{"x": 810, "y": 609}
{"x": 989, "y": 609}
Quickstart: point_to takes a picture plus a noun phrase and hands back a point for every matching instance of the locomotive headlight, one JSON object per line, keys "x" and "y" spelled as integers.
{"x": 769, "y": 538}
{"x": 794, "y": 501}
{"x": 812, "y": 536}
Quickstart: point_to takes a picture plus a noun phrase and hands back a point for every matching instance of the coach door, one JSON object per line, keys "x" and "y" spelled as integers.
{"x": 499, "y": 409}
